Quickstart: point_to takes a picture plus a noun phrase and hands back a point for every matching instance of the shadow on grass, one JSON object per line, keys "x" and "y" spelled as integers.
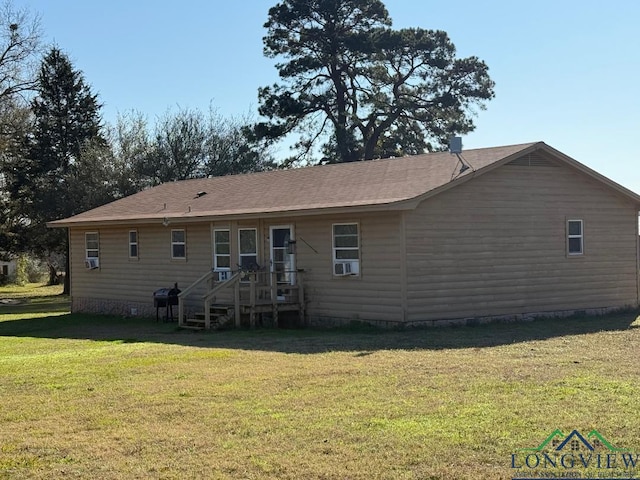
{"x": 361, "y": 340}
{"x": 35, "y": 305}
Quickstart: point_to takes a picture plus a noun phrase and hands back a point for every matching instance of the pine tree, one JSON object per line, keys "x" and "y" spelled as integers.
{"x": 355, "y": 88}
{"x": 67, "y": 123}
{"x": 67, "y": 116}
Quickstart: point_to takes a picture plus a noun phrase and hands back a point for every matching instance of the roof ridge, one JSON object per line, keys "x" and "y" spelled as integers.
{"x": 355, "y": 162}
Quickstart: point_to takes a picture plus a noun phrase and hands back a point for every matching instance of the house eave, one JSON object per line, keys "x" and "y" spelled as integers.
{"x": 194, "y": 217}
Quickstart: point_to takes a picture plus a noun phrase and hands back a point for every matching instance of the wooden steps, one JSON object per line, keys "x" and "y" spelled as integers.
{"x": 258, "y": 299}
{"x": 220, "y": 315}
{"x": 192, "y": 326}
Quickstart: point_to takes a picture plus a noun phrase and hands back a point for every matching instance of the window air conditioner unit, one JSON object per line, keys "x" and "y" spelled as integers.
{"x": 91, "y": 263}
{"x": 342, "y": 269}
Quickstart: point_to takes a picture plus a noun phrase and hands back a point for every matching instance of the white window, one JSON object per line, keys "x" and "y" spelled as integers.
{"x": 222, "y": 250}
{"x": 178, "y": 244}
{"x": 575, "y": 237}
{"x": 248, "y": 248}
{"x": 92, "y": 249}
{"x": 133, "y": 244}
{"x": 346, "y": 249}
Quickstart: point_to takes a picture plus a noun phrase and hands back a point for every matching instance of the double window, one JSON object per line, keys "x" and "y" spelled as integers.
{"x": 346, "y": 249}
{"x": 575, "y": 237}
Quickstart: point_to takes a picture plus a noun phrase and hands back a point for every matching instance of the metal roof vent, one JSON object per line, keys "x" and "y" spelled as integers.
{"x": 455, "y": 145}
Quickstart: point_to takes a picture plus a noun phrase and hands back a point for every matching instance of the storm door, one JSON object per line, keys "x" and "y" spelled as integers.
{"x": 283, "y": 255}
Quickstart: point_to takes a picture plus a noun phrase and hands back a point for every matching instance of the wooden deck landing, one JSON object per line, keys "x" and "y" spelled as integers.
{"x": 263, "y": 298}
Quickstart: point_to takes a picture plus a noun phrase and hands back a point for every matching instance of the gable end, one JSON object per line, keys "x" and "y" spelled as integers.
{"x": 533, "y": 159}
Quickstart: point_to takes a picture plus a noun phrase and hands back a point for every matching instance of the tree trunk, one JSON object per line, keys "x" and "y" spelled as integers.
{"x": 370, "y": 146}
{"x": 343, "y": 138}
{"x": 53, "y": 274}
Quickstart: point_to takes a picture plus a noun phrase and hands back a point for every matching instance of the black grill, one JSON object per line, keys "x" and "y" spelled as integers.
{"x": 166, "y": 298}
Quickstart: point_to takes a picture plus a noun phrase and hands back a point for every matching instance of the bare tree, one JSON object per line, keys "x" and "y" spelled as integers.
{"x": 180, "y": 148}
{"x": 132, "y": 146}
{"x": 232, "y": 149}
{"x": 183, "y": 143}
{"x": 20, "y": 48}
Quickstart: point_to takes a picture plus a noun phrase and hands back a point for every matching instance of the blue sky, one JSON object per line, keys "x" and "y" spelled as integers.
{"x": 566, "y": 71}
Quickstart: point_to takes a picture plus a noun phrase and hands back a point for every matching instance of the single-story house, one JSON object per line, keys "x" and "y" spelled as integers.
{"x": 493, "y": 233}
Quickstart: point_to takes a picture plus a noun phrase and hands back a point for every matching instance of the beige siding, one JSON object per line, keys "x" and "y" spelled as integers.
{"x": 497, "y": 245}
{"x": 123, "y": 279}
{"x": 376, "y": 293}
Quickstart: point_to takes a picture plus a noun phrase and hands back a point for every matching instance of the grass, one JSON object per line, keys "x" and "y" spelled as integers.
{"x": 105, "y": 397}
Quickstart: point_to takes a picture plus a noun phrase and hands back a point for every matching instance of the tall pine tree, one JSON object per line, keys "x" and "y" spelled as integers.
{"x": 67, "y": 124}
{"x": 354, "y": 88}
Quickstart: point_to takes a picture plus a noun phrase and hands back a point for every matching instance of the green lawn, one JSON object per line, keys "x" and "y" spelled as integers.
{"x": 104, "y": 397}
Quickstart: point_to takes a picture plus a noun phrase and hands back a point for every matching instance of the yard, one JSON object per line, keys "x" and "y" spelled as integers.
{"x": 103, "y": 397}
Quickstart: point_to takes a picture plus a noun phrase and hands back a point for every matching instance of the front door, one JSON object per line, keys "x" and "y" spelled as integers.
{"x": 282, "y": 255}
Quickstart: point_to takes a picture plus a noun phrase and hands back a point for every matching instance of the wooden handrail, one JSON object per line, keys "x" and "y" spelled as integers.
{"x": 182, "y": 295}
{"x": 270, "y": 289}
{"x": 235, "y": 278}
{"x": 203, "y": 278}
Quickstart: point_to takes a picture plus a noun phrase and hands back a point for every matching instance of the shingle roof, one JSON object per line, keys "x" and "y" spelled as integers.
{"x": 370, "y": 184}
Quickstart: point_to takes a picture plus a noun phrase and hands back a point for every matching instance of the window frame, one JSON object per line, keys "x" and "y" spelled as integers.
{"x": 182, "y": 243}
{"x": 135, "y": 244}
{"x": 97, "y": 246}
{"x": 216, "y": 267}
{"x": 335, "y": 249}
{"x": 574, "y": 236}
{"x": 253, "y": 254}
{"x": 92, "y": 252}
